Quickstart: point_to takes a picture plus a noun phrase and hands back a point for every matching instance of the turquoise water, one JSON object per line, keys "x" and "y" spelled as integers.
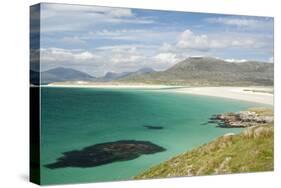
{"x": 73, "y": 118}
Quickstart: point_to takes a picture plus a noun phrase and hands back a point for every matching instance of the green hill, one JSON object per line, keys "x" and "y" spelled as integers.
{"x": 250, "y": 151}
{"x": 207, "y": 71}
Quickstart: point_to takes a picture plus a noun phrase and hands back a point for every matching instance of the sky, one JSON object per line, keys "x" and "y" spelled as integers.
{"x": 98, "y": 40}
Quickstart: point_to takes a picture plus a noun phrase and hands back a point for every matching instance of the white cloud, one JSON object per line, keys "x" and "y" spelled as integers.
{"x": 51, "y": 10}
{"x": 110, "y": 58}
{"x": 116, "y": 58}
{"x": 233, "y": 21}
{"x": 123, "y": 34}
{"x": 271, "y": 60}
{"x": 236, "y": 60}
{"x": 245, "y": 22}
{"x": 63, "y": 55}
{"x": 165, "y": 47}
{"x": 111, "y": 40}
{"x": 106, "y": 32}
{"x": 120, "y": 12}
{"x": 120, "y": 58}
{"x": 85, "y": 56}
{"x": 126, "y": 47}
{"x": 63, "y": 17}
{"x": 147, "y": 35}
{"x": 190, "y": 40}
{"x": 73, "y": 40}
{"x": 241, "y": 43}
{"x": 169, "y": 58}
{"x": 164, "y": 60}
{"x": 122, "y": 55}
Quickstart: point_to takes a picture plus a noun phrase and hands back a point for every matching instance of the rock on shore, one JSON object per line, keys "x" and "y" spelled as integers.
{"x": 242, "y": 119}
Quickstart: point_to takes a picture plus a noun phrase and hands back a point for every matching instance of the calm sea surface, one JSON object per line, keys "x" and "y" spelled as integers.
{"x": 74, "y": 118}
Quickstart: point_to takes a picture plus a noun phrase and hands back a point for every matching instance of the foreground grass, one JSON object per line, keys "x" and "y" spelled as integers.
{"x": 250, "y": 151}
{"x": 262, "y": 111}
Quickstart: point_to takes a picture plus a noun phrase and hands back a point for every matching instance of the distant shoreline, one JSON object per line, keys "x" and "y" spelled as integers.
{"x": 261, "y": 95}
{"x": 256, "y": 94}
{"x": 110, "y": 85}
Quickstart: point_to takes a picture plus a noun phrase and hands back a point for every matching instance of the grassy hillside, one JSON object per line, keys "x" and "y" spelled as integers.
{"x": 207, "y": 71}
{"x": 250, "y": 151}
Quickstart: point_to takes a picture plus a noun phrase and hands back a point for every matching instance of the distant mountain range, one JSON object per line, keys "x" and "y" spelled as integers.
{"x": 110, "y": 76}
{"x": 60, "y": 74}
{"x": 194, "y": 71}
{"x": 207, "y": 71}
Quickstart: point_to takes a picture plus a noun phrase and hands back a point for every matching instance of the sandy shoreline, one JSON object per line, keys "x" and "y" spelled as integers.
{"x": 262, "y": 95}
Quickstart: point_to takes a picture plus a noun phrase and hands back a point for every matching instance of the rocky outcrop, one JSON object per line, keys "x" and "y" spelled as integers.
{"x": 241, "y": 119}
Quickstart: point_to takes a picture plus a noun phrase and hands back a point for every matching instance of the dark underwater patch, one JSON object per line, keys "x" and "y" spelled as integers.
{"x": 153, "y": 127}
{"x": 105, "y": 153}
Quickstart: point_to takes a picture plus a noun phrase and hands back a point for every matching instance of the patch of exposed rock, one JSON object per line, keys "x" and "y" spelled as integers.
{"x": 241, "y": 119}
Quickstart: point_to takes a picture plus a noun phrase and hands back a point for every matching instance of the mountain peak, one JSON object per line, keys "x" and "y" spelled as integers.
{"x": 109, "y": 76}
{"x": 210, "y": 71}
{"x": 145, "y": 70}
{"x": 60, "y": 74}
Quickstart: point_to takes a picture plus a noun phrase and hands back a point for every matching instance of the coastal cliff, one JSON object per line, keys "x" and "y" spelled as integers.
{"x": 249, "y": 151}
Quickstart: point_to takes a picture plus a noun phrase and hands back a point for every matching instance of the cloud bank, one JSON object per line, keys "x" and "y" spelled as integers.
{"x": 98, "y": 40}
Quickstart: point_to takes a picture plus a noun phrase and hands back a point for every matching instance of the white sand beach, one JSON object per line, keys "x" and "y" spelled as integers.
{"x": 262, "y": 95}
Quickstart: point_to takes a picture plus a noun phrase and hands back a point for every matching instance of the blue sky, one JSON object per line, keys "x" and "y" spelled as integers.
{"x": 102, "y": 39}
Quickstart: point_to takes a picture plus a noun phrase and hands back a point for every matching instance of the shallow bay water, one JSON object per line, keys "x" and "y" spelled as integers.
{"x": 75, "y": 118}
